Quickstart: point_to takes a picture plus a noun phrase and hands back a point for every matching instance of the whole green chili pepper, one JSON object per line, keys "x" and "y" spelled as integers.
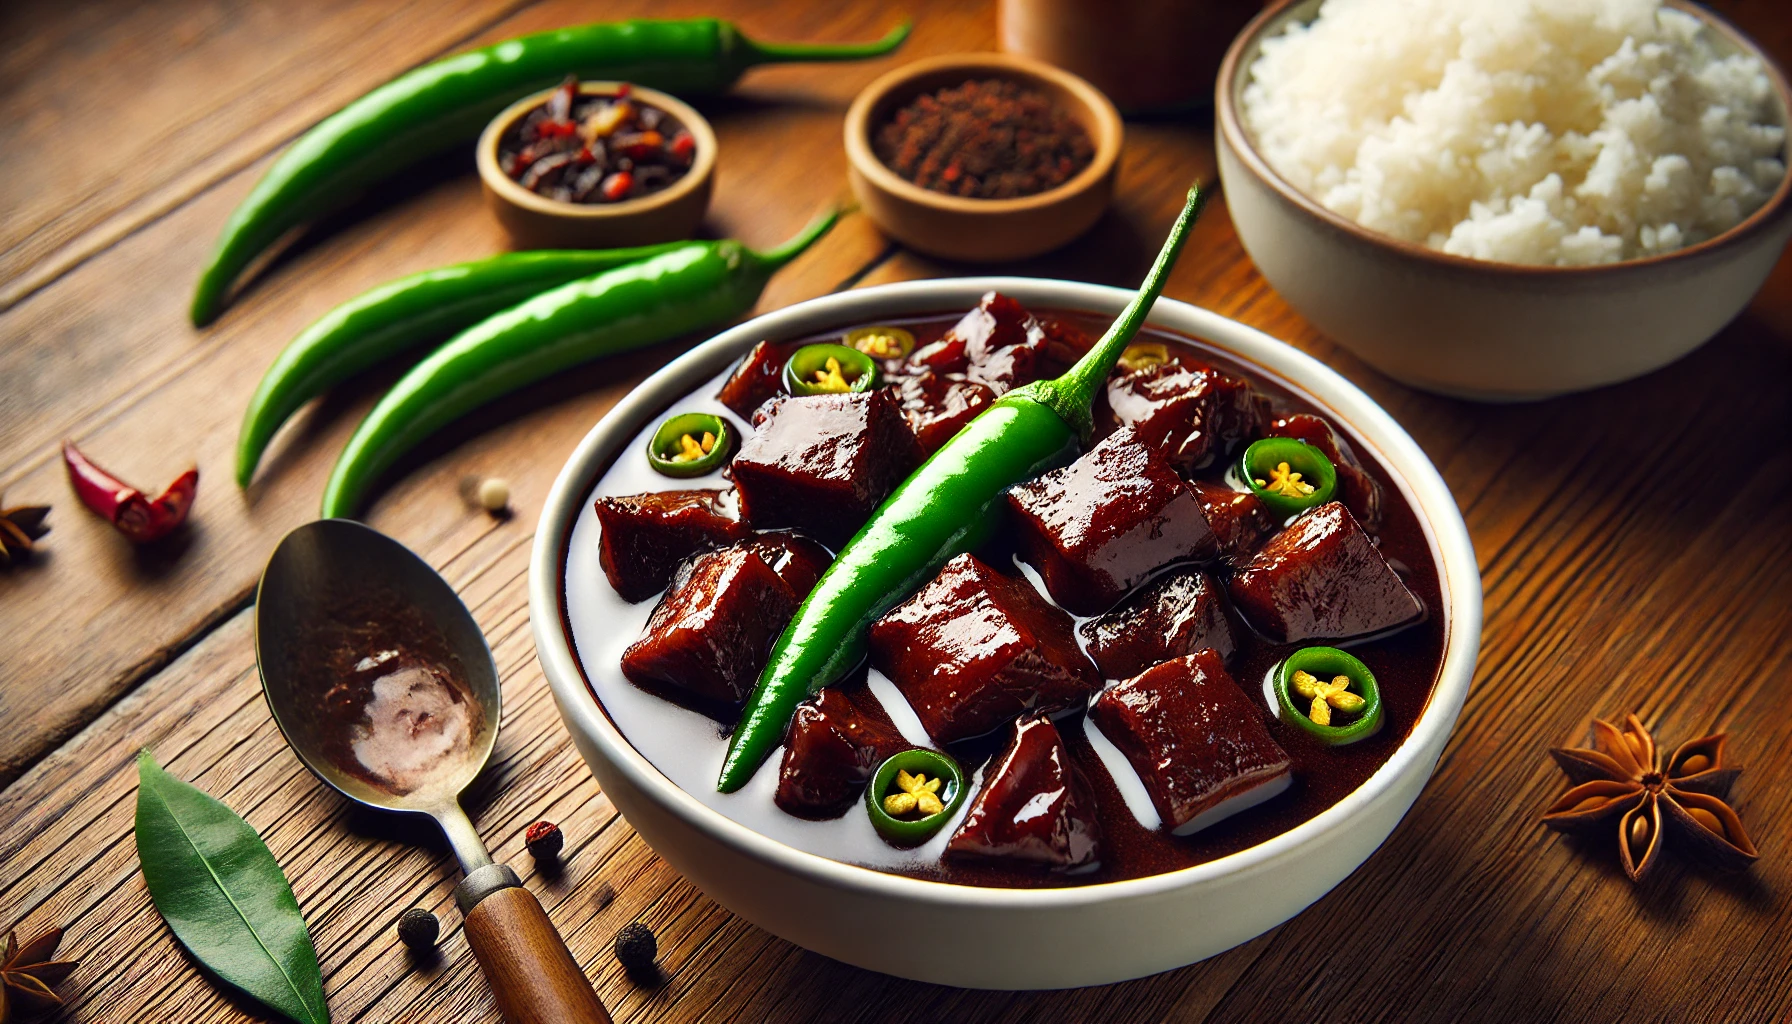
{"x": 379, "y": 324}
{"x": 440, "y": 105}
{"x": 690, "y": 286}
{"x": 944, "y": 508}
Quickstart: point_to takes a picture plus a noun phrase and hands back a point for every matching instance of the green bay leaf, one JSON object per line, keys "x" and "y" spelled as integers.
{"x": 221, "y": 891}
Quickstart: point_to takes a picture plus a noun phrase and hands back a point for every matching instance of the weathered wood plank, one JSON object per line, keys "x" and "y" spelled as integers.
{"x": 116, "y": 113}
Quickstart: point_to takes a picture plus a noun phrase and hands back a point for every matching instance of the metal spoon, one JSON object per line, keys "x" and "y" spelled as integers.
{"x": 335, "y": 585}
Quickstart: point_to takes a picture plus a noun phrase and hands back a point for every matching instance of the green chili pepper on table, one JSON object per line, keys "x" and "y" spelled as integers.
{"x": 440, "y": 105}
{"x": 690, "y": 286}
{"x": 943, "y": 509}
{"x": 379, "y": 324}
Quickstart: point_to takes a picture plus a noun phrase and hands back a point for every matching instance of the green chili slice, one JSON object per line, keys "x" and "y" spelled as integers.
{"x": 1288, "y": 475}
{"x": 898, "y": 797}
{"x": 691, "y": 444}
{"x": 1330, "y": 694}
{"x": 881, "y": 342}
{"x": 829, "y": 370}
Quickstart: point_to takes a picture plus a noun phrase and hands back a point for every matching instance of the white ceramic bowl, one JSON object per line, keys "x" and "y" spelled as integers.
{"x": 1472, "y": 328}
{"x": 1007, "y": 938}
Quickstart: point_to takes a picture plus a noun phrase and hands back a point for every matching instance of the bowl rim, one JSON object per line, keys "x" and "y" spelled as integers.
{"x": 702, "y": 169}
{"x": 1108, "y": 136}
{"x": 1459, "y": 577}
{"x": 1231, "y": 129}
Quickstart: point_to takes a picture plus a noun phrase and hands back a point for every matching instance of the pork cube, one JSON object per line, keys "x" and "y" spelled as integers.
{"x": 1003, "y": 342}
{"x": 1034, "y": 808}
{"x": 1178, "y": 613}
{"x": 830, "y": 752}
{"x": 643, "y": 537}
{"x": 1103, "y": 524}
{"x": 712, "y": 633}
{"x": 822, "y": 463}
{"x": 759, "y": 377}
{"x": 797, "y": 560}
{"x": 1197, "y": 741}
{"x": 1192, "y": 415}
{"x": 1238, "y": 520}
{"x": 974, "y": 649}
{"x": 938, "y": 405}
{"x": 1356, "y": 488}
{"x": 1321, "y": 578}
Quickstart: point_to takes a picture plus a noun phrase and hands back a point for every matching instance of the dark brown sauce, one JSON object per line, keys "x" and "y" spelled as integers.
{"x": 1406, "y": 665}
{"x": 396, "y": 712}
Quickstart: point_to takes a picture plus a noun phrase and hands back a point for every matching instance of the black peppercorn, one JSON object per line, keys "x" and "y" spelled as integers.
{"x": 544, "y": 840}
{"x": 636, "y": 948}
{"x": 418, "y": 929}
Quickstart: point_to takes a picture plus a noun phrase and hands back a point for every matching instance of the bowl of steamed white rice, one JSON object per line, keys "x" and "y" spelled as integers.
{"x": 1509, "y": 200}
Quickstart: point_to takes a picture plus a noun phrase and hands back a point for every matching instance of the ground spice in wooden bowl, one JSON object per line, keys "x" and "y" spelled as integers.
{"x": 984, "y": 139}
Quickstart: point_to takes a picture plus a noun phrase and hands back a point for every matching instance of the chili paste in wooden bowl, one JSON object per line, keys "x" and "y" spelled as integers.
{"x": 1215, "y": 623}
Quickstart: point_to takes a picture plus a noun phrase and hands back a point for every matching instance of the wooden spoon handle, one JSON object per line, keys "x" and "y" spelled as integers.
{"x": 526, "y": 963}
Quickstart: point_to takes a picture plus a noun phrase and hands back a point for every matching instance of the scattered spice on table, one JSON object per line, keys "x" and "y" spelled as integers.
{"x": 637, "y": 949}
{"x": 596, "y": 148}
{"x": 1656, "y": 804}
{"x": 27, "y": 974}
{"x": 20, "y": 528}
{"x": 544, "y": 840}
{"x": 418, "y": 929}
{"x": 141, "y": 518}
{"x": 990, "y": 139}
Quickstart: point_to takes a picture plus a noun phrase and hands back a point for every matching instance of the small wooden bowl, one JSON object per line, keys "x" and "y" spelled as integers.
{"x": 536, "y": 222}
{"x": 982, "y": 230}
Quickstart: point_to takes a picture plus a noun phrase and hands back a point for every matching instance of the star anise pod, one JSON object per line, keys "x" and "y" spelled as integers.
{"x": 1654, "y": 802}
{"x": 27, "y": 974}
{"x": 19, "y": 528}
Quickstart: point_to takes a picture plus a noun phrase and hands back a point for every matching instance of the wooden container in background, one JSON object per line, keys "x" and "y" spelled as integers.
{"x": 1147, "y": 55}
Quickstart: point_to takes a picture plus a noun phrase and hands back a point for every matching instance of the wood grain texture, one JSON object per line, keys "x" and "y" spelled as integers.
{"x": 1632, "y": 541}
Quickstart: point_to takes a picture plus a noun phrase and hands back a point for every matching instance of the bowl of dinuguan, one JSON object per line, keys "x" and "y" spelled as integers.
{"x": 1187, "y": 682}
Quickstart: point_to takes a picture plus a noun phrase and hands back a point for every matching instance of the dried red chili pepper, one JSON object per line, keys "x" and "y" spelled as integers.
{"x": 140, "y": 518}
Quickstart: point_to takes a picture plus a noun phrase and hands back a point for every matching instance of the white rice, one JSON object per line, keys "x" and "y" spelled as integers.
{"x": 1561, "y": 132}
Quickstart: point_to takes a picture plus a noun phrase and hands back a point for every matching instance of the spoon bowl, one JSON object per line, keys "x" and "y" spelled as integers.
{"x": 328, "y": 584}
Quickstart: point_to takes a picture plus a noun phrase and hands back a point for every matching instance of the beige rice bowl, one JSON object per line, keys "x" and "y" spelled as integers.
{"x": 1549, "y": 132}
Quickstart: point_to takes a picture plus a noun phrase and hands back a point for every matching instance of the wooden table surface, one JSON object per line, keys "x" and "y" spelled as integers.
{"x": 1633, "y": 544}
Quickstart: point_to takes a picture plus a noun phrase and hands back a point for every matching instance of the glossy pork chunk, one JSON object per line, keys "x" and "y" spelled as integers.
{"x": 759, "y": 377}
{"x": 645, "y": 536}
{"x": 1103, "y": 524}
{"x": 1191, "y": 415}
{"x": 711, "y": 634}
{"x": 1178, "y": 613}
{"x": 830, "y": 753}
{"x": 1003, "y": 344}
{"x": 1197, "y": 741}
{"x": 938, "y": 405}
{"x": 974, "y": 650}
{"x": 822, "y": 463}
{"x": 1238, "y": 520}
{"x": 1034, "y": 807}
{"x": 1321, "y": 578}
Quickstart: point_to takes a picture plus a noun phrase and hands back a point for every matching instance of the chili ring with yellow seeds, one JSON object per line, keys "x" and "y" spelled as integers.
{"x": 1329, "y": 694}
{"x": 913, "y": 795}
{"x": 691, "y": 444}
{"x": 829, "y": 370}
{"x": 881, "y": 342}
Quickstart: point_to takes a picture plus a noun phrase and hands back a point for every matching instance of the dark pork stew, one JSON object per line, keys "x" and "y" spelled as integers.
{"x": 1207, "y": 628}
